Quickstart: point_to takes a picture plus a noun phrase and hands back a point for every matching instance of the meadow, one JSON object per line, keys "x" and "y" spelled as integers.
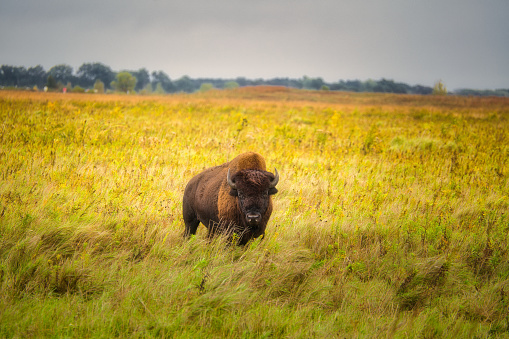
{"x": 392, "y": 216}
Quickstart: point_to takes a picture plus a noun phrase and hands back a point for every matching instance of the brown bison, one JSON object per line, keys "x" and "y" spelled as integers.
{"x": 232, "y": 198}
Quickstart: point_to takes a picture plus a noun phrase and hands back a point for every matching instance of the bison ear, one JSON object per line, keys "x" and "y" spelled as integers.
{"x": 234, "y": 193}
{"x": 272, "y": 191}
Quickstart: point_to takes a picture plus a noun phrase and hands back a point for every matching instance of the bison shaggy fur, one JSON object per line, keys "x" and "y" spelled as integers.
{"x": 232, "y": 198}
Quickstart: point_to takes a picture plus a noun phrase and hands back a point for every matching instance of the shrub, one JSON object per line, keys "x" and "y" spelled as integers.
{"x": 78, "y": 89}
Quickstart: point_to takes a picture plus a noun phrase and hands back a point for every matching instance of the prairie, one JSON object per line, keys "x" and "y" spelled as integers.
{"x": 391, "y": 218}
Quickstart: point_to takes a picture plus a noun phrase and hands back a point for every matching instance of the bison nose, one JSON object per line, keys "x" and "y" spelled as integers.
{"x": 253, "y": 218}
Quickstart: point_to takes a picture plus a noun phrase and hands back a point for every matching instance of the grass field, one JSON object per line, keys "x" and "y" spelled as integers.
{"x": 392, "y": 216}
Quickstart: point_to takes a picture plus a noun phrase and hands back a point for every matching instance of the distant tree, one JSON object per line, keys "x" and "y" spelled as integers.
{"x": 164, "y": 80}
{"x": 369, "y": 85}
{"x": 78, "y": 89}
{"x": 242, "y": 81}
{"x": 325, "y": 88}
{"x": 184, "y": 84}
{"x": 424, "y": 90}
{"x": 36, "y": 76}
{"x": 231, "y": 85}
{"x": 312, "y": 83}
{"x": 20, "y": 76}
{"x": 147, "y": 89}
{"x": 487, "y": 92}
{"x": 62, "y": 73}
{"x": 389, "y": 86}
{"x": 99, "y": 86}
{"x": 206, "y": 86}
{"x": 142, "y": 78}
{"x": 159, "y": 89}
{"x": 284, "y": 82}
{"x": 306, "y": 82}
{"x": 51, "y": 82}
{"x": 439, "y": 88}
{"x": 338, "y": 86}
{"x": 89, "y": 73}
{"x": 354, "y": 85}
{"x": 257, "y": 82}
{"x": 124, "y": 82}
{"x": 10, "y": 75}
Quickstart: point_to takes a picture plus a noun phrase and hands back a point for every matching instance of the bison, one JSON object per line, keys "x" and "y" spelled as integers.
{"x": 232, "y": 198}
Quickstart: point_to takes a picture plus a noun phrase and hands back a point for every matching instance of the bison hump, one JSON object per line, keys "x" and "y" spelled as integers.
{"x": 248, "y": 160}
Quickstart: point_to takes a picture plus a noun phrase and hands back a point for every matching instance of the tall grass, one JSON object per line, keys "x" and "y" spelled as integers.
{"x": 391, "y": 217}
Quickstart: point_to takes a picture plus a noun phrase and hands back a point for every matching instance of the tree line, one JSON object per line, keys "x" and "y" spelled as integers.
{"x": 101, "y": 78}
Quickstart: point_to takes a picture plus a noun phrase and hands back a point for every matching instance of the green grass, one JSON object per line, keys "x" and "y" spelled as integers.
{"x": 391, "y": 218}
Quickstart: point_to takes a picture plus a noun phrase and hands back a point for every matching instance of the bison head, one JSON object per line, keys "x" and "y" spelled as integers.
{"x": 253, "y": 188}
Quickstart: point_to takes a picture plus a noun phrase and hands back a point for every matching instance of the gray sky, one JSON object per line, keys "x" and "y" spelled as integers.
{"x": 465, "y": 43}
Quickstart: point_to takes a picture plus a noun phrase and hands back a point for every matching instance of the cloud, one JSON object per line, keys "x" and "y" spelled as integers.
{"x": 463, "y": 42}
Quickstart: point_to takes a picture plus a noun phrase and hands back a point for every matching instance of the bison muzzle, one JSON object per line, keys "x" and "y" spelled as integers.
{"x": 233, "y": 198}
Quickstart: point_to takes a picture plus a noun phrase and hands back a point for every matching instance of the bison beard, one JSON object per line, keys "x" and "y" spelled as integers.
{"x": 231, "y": 198}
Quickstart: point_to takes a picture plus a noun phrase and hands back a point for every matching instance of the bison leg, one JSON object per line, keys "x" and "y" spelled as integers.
{"x": 190, "y": 220}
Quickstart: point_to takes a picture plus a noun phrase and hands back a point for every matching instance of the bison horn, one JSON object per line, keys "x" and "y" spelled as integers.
{"x": 274, "y": 182}
{"x": 230, "y": 182}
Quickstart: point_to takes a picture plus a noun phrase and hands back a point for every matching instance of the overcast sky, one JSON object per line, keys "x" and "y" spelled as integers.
{"x": 465, "y": 43}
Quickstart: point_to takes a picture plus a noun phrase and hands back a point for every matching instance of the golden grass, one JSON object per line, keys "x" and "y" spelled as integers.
{"x": 391, "y": 217}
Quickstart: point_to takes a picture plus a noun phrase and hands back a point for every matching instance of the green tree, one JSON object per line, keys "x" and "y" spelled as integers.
{"x": 184, "y": 84}
{"x": 163, "y": 79}
{"x": 142, "y": 78}
{"x": 312, "y": 83}
{"x": 99, "y": 86}
{"x": 51, "y": 82}
{"x": 124, "y": 82}
{"x": 62, "y": 73}
{"x": 147, "y": 89}
{"x": 231, "y": 85}
{"x": 159, "y": 89}
{"x": 206, "y": 86}
{"x": 9, "y": 75}
{"x": 36, "y": 75}
{"x": 22, "y": 77}
{"x": 89, "y": 73}
{"x": 439, "y": 88}
{"x": 78, "y": 89}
